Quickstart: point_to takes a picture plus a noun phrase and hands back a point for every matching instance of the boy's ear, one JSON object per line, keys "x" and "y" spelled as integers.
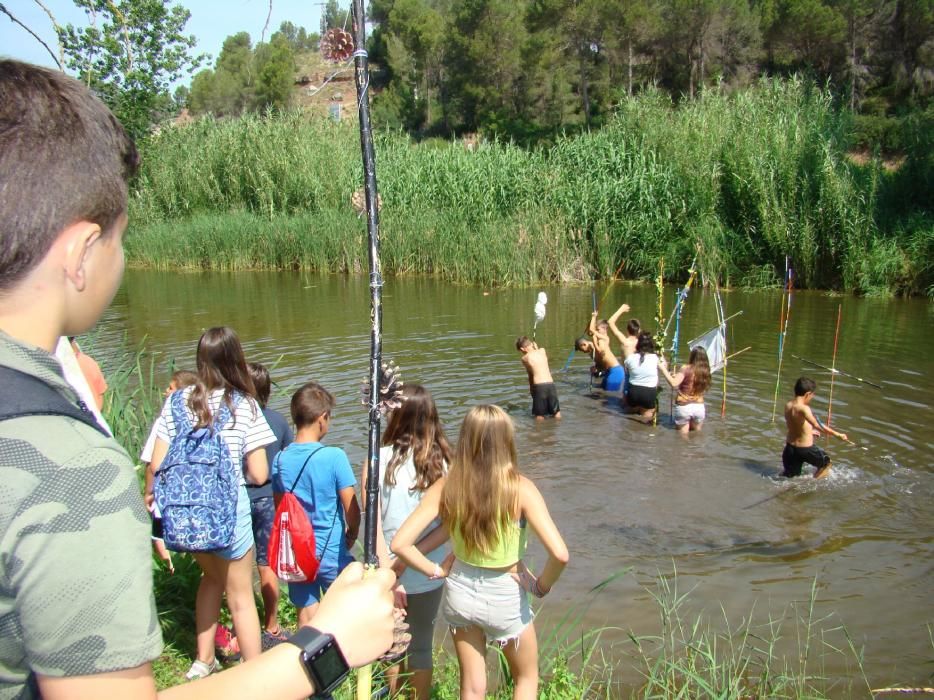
{"x": 77, "y": 240}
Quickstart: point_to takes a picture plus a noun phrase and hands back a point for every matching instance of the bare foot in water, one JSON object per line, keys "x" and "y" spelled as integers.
{"x": 823, "y": 472}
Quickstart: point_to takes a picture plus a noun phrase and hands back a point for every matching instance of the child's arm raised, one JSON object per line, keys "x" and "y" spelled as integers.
{"x": 614, "y": 318}
{"x": 592, "y": 326}
{"x": 536, "y": 512}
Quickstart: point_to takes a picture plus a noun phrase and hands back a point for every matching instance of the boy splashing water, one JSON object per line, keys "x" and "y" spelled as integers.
{"x": 799, "y": 443}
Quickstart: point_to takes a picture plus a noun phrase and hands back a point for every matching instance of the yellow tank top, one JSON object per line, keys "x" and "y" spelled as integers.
{"x": 510, "y": 547}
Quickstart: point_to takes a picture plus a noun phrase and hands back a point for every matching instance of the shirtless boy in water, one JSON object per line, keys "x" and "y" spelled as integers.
{"x": 604, "y": 360}
{"x": 541, "y": 384}
{"x": 799, "y": 443}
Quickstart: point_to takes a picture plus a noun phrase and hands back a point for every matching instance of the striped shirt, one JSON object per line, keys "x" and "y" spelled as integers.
{"x": 247, "y": 430}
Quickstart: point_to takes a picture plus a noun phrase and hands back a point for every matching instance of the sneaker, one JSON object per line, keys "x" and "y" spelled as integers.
{"x": 199, "y": 669}
{"x": 226, "y": 647}
{"x": 270, "y": 639}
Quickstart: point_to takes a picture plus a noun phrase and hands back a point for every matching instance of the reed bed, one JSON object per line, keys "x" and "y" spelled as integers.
{"x": 746, "y": 178}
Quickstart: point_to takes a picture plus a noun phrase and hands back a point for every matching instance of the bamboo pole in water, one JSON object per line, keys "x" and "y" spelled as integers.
{"x": 833, "y": 365}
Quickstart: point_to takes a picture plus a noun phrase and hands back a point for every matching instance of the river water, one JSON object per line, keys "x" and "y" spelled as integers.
{"x": 707, "y": 513}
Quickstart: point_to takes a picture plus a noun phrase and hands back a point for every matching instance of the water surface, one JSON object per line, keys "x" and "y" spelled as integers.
{"x": 628, "y": 496}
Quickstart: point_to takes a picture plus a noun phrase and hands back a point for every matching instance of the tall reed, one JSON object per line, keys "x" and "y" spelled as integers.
{"x": 747, "y": 178}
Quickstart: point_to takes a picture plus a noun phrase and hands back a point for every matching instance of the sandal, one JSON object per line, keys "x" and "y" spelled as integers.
{"x": 271, "y": 639}
{"x": 199, "y": 669}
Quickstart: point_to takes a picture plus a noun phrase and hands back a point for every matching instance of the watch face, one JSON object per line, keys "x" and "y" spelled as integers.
{"x": 328, "y": 664}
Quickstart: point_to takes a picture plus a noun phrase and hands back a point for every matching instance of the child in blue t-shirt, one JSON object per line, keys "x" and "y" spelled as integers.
{"x": 324, "y": 483}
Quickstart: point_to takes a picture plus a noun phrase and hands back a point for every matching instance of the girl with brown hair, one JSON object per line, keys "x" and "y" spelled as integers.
{"x": 223, "y": 378}
{"x": 414, "y": 456}
{"x": 691, "y": 381}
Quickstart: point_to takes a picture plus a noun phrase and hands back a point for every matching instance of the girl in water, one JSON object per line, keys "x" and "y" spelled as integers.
{"x": 415, "y": 454}
{"x": 642, "y": 377}
{"x": 486, "y": 507}
{"x": 224, "y": 378}
{"x": 691, "y": 381}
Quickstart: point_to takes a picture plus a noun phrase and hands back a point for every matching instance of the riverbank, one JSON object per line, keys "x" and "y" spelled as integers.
{"x": 747, "y": 178}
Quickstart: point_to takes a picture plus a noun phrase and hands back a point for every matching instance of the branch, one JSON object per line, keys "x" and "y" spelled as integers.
{"x": 35, "y": 36}
{"x": 126, "y": 33}
{"x": 58, "y": 33}
{"x": 262, "y": 37}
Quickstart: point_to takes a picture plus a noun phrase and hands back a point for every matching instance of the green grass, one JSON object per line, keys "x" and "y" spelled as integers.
{"x": 747, "y": 178}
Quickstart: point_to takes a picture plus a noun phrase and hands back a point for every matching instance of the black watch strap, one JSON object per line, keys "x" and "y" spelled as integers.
{"x": 322, "y": 659}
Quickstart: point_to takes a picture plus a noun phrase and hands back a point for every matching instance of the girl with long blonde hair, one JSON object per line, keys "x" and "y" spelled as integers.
{"x": 486, "y": 507}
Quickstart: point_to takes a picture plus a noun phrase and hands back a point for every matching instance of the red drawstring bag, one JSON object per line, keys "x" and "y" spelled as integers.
{"x": 292, "y": 553}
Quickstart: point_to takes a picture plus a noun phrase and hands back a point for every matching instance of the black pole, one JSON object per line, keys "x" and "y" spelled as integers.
{"x": 362, "y": 77}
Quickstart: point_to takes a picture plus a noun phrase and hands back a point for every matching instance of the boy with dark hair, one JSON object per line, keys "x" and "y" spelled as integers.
{"x": 541, "y": 384}
{"x": 799, "y": 442}
{"x": 77, "y": 613}
{"x": 263, "y": 509}
{"x": 323, "y": 481}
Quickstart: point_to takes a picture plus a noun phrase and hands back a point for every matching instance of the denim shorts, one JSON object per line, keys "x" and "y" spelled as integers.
{"x": 263, "y": 511}
{"x": 485, "y": 598}
{"x": 308, "y": 593}
{"x": 242, "y": 541}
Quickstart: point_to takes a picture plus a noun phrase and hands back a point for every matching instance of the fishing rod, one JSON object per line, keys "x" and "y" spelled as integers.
{"x": 833, "y": 370}
{"x": 783, "y": 319}
{"x": 833, "y": 363}
{"x": 371, "y": 198}
{"x": 680, "y": 298}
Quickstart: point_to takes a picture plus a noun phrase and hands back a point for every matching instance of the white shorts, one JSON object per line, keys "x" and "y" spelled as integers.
{"x": 689, "y": 413}
{"x": 488, "y": 599}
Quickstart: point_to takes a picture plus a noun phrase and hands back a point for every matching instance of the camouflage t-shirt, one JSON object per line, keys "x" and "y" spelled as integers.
{"x": 75, "y": 564}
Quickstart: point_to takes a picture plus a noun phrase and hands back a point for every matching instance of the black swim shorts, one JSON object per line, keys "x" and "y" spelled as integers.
{"x": 642, "y": 396}
{"x": 793, "y": 458}
{"x": 545, "y": 399}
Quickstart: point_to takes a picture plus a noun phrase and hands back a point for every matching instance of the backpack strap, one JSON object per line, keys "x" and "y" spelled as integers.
{"x": 183, "y": 422}
{"x": 27, "y": 395}
{"x": 179, "y": 413}
{"x": 302, "y": 470}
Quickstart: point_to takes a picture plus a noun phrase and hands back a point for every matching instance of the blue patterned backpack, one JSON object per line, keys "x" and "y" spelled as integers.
{"x": 197, "y": 485}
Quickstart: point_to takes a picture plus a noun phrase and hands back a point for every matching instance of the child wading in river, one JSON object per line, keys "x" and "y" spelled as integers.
{"x": 541, "y": 384}
{"x": 691, "y": 381}
{"x": 799, "y": 443}
{"x": 486, "y": 507}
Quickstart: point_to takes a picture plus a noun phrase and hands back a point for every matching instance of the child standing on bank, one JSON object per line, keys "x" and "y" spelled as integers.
{"x": 541, "y": 384}
{"x": 263, "y": 510}
{"x": 487, "y": 506}
{"x": 323, "y": 481}
{"x": 799, "y": 442}
{"x": 415, "y": 454}
{"x": 223, "y": 379}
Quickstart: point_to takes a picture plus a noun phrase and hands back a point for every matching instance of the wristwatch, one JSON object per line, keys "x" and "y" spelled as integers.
{"x": 322, "y": 658}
